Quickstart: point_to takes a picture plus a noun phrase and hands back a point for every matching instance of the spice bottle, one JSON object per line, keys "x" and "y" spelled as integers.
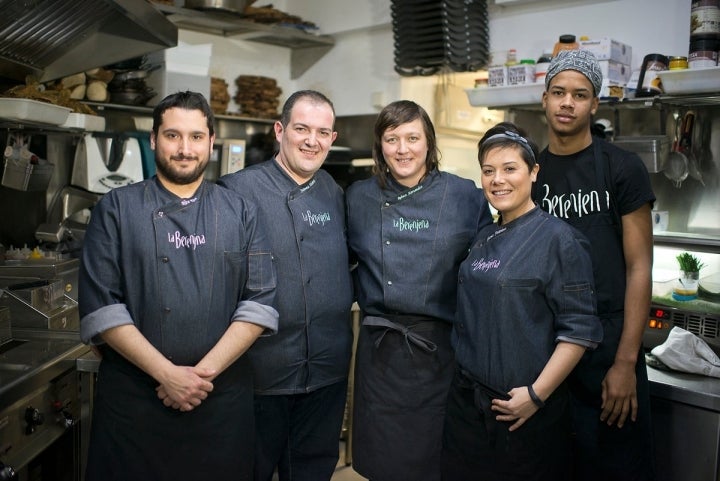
{"x": 511, "y": 58}
{"x": 565, "y": 42}
{"x": 649, "y": 82}
{"x": 543, "y": 62}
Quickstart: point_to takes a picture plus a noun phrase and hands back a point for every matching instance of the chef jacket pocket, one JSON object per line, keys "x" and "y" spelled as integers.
{"x": 579, "y": 297}
{"x": 261, "y": 271}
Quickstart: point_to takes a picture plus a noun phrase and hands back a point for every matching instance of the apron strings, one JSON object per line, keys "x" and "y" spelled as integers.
{"x": 410, "y": 336}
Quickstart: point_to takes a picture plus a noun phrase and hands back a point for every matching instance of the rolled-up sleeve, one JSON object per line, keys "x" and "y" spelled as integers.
{"x": 576, "y": 320}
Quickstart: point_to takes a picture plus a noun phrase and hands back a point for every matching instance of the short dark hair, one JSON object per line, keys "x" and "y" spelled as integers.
{"x": 184, "y": 100}
{"x": 312, "y": 95}
{"x": 393, "y": 115}
{"x": 508, "y": 135}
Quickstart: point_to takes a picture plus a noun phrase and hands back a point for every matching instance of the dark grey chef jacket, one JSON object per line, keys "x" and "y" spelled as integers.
{"x": 306, "y": 225}
{"x": 180, "y": 270}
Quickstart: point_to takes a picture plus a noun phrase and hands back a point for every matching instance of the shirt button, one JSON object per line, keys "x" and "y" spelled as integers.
{"x": 387, "y": 243}
{"x": 387, "y": 204}
{"x": 389, "y": 283}
{"x": 165, "y": 259}
{"x": 166, "y": 310}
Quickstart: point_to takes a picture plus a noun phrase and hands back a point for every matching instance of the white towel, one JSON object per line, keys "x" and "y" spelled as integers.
{"x": 684, "y": 351}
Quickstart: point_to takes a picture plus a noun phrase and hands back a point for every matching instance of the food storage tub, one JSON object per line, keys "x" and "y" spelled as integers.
{"x": 26, "y": 110}
{"x": 30, "y": 177}
{"x": 652, "y": 149}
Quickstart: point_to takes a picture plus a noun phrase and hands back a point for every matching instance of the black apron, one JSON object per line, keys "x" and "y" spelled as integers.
{"x": 134, "y": 436}
{"x": 404, "y": 366}
{"x": 602, "y": 452}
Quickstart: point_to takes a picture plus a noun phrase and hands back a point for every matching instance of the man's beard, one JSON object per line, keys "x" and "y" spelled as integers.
{"x": 165, "y": 167}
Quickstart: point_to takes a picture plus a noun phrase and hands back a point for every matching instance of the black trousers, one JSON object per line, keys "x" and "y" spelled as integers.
{"x": 476, "y": 447}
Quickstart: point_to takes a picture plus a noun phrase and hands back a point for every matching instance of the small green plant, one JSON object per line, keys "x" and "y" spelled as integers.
{"x": 689, "y": 263}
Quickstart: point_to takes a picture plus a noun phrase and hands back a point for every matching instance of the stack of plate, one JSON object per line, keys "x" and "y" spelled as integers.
{"x": 431, "y": 35}
{"x": 418, "y": 36}
{"x": 465, "y": 25}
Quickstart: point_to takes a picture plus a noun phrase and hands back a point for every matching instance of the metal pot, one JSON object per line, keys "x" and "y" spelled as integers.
{"x": 236, "y": 6}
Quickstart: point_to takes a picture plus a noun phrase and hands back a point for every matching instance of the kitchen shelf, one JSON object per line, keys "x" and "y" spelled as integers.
{"x": 657, "y": 102}
{"x": 306, "y": 48}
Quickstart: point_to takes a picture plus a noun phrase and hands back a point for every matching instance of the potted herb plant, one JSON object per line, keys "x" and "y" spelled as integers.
{"x": 687, "y": 285}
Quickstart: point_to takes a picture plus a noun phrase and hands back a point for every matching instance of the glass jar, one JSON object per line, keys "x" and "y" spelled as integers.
{"x": 649, "y": 82}
{"x": 678, "y": 63}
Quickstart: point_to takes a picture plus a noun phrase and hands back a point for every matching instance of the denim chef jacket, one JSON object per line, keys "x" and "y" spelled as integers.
{"x": 408, "y": 265}
{"x": 306, "y": 224}
{"x": 179, "y": 269}
{"x": 524, "y": 286}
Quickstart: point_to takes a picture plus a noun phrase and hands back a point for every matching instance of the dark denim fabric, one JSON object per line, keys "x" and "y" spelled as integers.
{"x": 524, "y": 286}
{"x": 410, "y": 242}
{"x": 306, "y": 226}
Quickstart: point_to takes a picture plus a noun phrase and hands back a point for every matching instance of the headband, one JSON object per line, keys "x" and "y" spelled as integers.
{"x": 513, "y": 137}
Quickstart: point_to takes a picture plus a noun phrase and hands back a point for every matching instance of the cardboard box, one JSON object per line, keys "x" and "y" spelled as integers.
{"x": 521, "y": 74}
{"x": 615, "y": 71}
{"x": 497, "y": 76}
{"x": 165, "y": 82}
{"x": 605, "y": 48}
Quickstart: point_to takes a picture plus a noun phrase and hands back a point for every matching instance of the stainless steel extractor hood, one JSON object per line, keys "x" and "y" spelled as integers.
{"x": 54, "y": 38}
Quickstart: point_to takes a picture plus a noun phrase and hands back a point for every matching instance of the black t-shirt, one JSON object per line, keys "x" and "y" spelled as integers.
{"x": 593, "y": 199}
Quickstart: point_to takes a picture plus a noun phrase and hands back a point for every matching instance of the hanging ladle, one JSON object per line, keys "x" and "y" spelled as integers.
{"x": 677, "y": 168}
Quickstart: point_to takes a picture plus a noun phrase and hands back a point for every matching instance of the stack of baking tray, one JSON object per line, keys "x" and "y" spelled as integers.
{"x": 434, "y": 35}
{"x": 467, "y": 42}
{"x": 418, "y": 36}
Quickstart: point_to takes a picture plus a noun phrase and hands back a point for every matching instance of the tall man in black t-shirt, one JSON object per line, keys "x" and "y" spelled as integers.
{"x": 605, "y": 192}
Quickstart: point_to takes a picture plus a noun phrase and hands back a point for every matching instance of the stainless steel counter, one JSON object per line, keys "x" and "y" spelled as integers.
{"x": 693, "y": 389}
{"x": 685, "y": 410}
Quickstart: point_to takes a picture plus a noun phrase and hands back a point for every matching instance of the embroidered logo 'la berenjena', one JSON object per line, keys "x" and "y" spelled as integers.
{"x": 483, "y": 265}
{"x": 191, "y": 241}
{"x": 313, "y": 219}
{"x": 413, "y": 225}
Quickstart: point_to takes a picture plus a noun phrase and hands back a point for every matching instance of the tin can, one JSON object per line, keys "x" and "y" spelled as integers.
{"x": 703, "y": 52}
{"x": 705, "y": 18}
{"x": 678, "y": 63}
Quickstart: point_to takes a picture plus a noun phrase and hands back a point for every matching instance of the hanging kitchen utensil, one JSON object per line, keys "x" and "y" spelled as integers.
{"x": 677, "y": 168}
{"x": 685, "y": 146}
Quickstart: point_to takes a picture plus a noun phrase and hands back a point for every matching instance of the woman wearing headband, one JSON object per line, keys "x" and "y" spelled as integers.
{"x": 525, "y": 316}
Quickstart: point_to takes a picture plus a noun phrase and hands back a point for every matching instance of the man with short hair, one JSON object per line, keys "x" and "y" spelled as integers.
{"x": 176, "y": 282}
{"x": 301, "y": 373}
{"x": 605, "y": 192}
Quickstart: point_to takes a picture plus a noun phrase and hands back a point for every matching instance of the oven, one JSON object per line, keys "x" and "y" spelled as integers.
{"x": 663, "y": 317}
{"x": 42, "y": 411}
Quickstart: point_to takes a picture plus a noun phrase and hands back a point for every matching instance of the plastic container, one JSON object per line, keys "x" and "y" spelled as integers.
{"x": 649, "y": 83}
{"x": 27, "y": 110}
{"x": 565, "y": 42}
